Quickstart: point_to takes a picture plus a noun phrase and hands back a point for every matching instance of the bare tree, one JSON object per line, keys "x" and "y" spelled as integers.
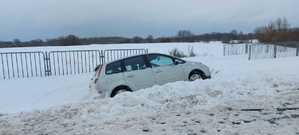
{"x": 184, "y": 33}
{"x": 285, "y": 24}
{"x": 150, "y": 39}
{"x": 16, "y": 41}
{"x": 69, "y": 40}
{"x": 279, "y": 32}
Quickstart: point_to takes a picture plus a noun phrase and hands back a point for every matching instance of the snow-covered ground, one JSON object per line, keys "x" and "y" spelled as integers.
{"x": 40, "y": 93}
{"x": 201, "y": 107}
{"x": 200, "y": 48}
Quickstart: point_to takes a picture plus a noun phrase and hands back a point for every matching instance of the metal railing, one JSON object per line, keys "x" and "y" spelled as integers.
{"x": 114, "y": 54}
{"x": 73, "y": 62}
{"x": 58, "y": 63}
{"x": 22, "y": 64}
{"x": 260, "y": 51}
{"x": 235, "y": 49}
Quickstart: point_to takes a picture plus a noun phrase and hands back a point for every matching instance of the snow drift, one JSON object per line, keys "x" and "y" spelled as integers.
{"x": 200, "y": 107}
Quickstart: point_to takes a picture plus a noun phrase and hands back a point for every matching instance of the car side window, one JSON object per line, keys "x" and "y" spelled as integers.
{"x": 160, "y": 60}
{"x": 135, "y": 63}
{"x": 114, "y": 68}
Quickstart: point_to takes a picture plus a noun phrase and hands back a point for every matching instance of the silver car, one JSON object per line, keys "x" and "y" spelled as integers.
{"x": 142, "y": 71}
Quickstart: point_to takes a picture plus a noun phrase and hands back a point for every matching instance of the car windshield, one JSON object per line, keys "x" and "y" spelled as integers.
{"x": 160, "y": 60}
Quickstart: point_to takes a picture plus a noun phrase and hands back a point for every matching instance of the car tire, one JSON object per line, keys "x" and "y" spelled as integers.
{"x": 119, "y": 90}
{"x": 196, "y": 75}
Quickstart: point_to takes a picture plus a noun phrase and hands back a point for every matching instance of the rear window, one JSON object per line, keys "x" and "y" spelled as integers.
{"x": 135, "y": 63}
{"x": 114, "y": 68}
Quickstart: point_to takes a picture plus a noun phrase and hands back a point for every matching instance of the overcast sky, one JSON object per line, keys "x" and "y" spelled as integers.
{"x": 31, "y": 19}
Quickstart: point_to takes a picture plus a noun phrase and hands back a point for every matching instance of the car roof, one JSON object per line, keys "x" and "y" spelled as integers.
{"x": 131, "y": 57}
{"x": 136, "y": 56}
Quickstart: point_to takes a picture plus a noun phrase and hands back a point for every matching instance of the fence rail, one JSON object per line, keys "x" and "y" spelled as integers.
{"x": 73, "y": 62}
{"x": 114, "y": 54}
{"x": 58, "y": 63}
{"x": 234, "y": 49}
{"x": 260, "y": 51}
{"x": 22, "y": 64}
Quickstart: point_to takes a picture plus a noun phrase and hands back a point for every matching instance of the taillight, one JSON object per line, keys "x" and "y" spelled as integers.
{"x": 98, "y": 73}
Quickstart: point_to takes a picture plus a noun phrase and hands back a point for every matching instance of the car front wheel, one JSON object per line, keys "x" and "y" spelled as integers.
{"x": 196, "y": 75}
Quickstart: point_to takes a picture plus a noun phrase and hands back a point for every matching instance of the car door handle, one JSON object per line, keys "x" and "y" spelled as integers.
{"x": 130, "y": 76}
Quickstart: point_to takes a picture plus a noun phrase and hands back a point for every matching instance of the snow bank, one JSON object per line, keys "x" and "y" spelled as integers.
{"x": 209, "y": 106}
{"x": 41, "y": 93}
{"x": 199, "y": 107}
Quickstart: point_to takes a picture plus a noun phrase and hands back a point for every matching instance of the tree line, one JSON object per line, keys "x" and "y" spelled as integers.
{"x": 181, "y": 36}
{"x": 276, "y": 32}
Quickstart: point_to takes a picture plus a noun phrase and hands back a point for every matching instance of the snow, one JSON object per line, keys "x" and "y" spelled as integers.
{"x": 201, "y": 107}
{"x": 200, "y": 48}
{"x": 42, "y": 93}
{"x": 15, "y": 65}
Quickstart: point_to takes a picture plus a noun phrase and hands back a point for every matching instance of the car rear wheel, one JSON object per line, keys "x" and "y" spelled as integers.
{"x": 119, "y": 90}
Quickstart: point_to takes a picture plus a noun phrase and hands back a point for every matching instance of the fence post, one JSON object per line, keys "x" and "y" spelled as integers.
{"x": 249, "y": 52}
{"x": 102, "y": 57}
{"x": 275, "y": 51}
{"x": 297, "y": 51}
{"x": 47, "y": 64}
{"x": 223, "y": 50}
{"x": 2, "y": 62}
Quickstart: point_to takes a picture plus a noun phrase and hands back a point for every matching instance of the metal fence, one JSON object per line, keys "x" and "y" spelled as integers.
{"x": 22, "y": 64}
{"x": 58, "y": 63}
{"x": 260, "y": 51}
{"x": 73, "y": 62}
{"x": 114, "y": 54}
{"x": 271, "y": 51}
{"x": 235, "y": 49}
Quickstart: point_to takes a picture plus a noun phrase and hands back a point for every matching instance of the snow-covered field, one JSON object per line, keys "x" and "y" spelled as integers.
{"x": 201, "y": 48}
{"x": 65, "y": 106}
{"x": 40, "y": 93}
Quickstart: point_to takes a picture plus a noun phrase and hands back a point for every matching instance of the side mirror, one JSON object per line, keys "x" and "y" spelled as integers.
{"x": 176, "y": 62}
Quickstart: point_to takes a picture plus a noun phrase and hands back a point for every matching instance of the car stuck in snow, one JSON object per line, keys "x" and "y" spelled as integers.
{"x": 143, "y": 71}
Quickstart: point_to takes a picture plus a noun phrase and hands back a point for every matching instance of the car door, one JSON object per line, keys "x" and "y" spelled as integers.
{"x": 137, "y": 73}
{"x": 165, "y": 69}
{"x": 113, "y": 76}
